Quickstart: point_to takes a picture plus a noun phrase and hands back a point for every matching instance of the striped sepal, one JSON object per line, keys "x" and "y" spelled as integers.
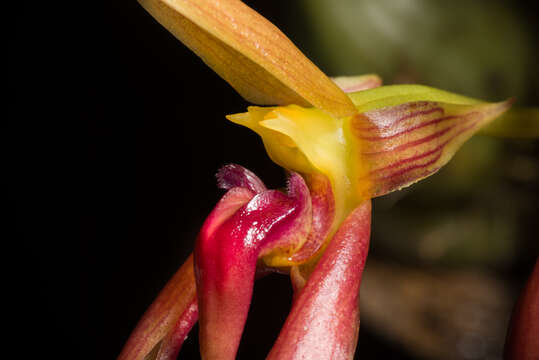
{"x": 400, "y": 145}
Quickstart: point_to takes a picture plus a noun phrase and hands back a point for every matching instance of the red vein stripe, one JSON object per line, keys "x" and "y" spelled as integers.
{"x": 409, "y": 159}
{"x": 395, "y": 183}
{"x": 408, "y": 130}
{"x": 372, "y": 118}
{"x": 460, "y": 132}
{"x": 421, "y": 140}
{"x": 413, "y": 167}
{"x": 422, "y": 155}
{"x": 404, "y": 176}
{"x": 397, "y": 162}
{"x": 411, "y": 143}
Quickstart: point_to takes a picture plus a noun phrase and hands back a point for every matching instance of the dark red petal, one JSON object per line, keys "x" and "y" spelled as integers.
{"x": 523, "y": 336}
{"x": 226, "y": 256}
{"x": 324, "y": 320}
{"x": 163, "y": 328}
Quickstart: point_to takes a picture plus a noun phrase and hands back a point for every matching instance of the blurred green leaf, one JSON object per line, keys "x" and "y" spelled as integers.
{"x": 516, "y": 123}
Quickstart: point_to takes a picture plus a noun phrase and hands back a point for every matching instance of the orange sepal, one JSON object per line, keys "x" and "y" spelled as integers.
{"x": 250, "y": 53}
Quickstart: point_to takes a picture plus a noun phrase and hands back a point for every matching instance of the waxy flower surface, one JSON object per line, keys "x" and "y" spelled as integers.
{"x": 342, "y": 141}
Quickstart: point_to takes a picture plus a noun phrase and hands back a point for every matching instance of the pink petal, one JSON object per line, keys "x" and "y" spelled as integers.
{"x": 164, "y": 326}
{"x": 324, "y": 320}
{"x": 226, "y": 256}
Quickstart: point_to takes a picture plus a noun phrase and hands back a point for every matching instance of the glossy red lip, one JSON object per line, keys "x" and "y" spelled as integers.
{"x": 226, "y": 256}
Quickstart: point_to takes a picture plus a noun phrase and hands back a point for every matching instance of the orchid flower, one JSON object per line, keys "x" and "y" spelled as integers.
{"x": 343, "y": 141}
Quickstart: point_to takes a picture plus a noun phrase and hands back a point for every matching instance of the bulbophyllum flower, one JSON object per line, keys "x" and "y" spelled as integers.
{"x": 343, "y": 141}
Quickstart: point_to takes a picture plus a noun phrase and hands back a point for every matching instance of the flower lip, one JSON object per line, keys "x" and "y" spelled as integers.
{"x": 271, "y": 224}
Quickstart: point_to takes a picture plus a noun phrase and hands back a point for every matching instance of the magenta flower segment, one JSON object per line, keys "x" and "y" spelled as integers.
{"x": 227, "y": 252}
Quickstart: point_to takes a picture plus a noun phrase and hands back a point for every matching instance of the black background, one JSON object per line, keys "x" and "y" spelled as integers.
{"x": 115, "y": 133}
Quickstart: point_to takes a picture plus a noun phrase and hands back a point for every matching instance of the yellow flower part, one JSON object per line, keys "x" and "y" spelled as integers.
{"x": 308, "y": 140}
{"x": 400, "y": 135}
